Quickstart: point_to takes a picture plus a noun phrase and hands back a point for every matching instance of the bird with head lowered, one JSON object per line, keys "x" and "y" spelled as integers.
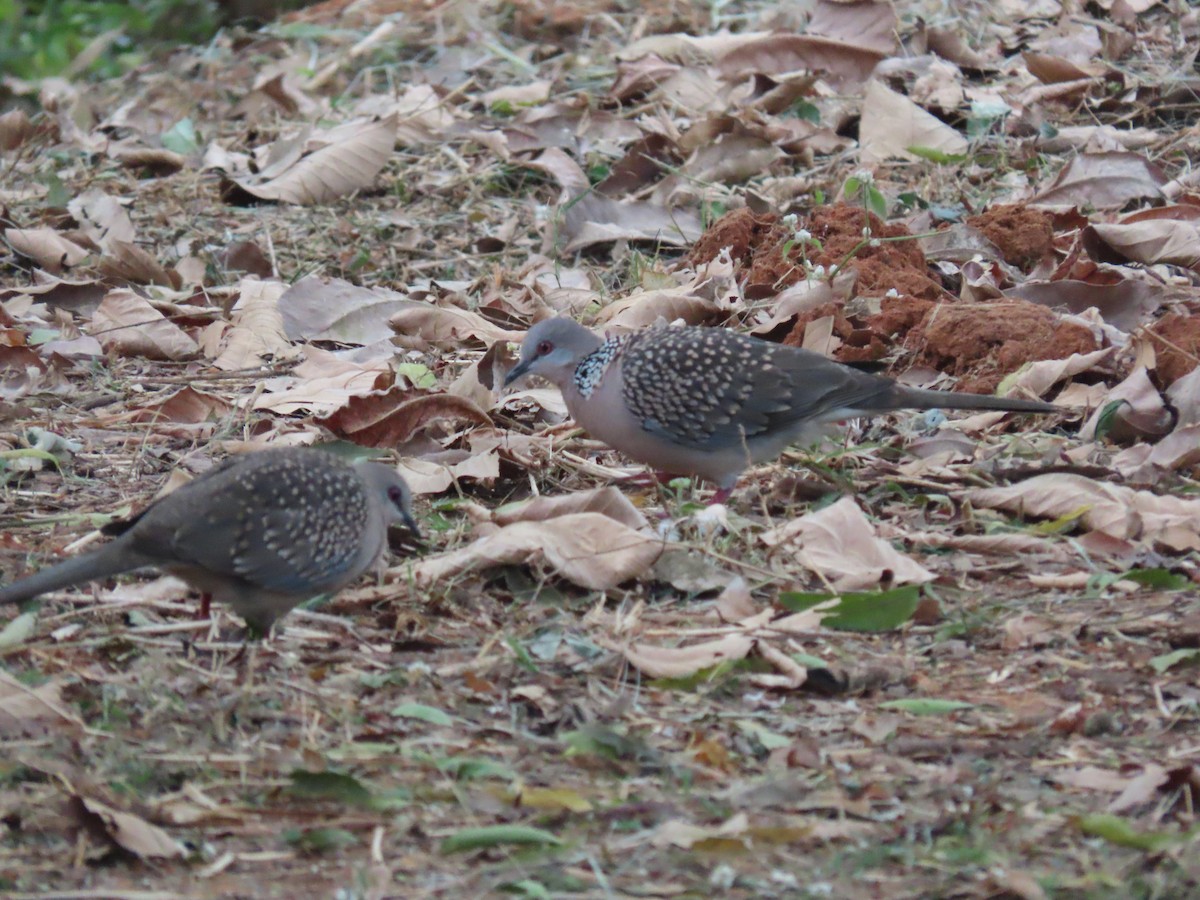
{"x": 261, "y": 532}
{"x": 710, "y": 402}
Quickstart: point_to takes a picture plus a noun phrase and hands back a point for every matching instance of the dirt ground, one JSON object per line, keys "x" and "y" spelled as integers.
{"x": 576, "y": 684}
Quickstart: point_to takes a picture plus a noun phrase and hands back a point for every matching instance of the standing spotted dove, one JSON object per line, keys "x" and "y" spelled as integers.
{"x": 710, "y": 402}
{"x": 261, "y": 532}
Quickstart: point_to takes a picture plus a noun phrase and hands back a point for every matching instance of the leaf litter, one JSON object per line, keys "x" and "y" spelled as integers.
{"x": 928, "y": 658}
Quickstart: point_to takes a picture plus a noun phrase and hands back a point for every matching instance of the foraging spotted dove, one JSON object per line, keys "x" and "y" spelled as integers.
{"x": 261, "y": 532}
{"x": 710, "y": 402}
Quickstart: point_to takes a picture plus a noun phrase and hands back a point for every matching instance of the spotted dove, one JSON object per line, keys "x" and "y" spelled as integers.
{"x": 710, "y": 402}
{"x": 261, "y": 532}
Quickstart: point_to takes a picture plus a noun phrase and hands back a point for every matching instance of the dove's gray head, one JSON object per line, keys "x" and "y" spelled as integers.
{"x": 553, "y": 348}
{"x": 394, "y": 494}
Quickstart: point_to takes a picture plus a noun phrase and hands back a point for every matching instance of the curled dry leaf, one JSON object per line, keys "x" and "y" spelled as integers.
{"x": 347, "y": 160}
{"x": 426, "y": 476}
{"x": 379, "y": 420}
{"x": 1150, "y": 242}
{"x": 643, "y": 309}
{"x": 128, "y": 262}
{"x": 257, "y": 336}
{"x": 15, "y": 129}
{"x": 607, "y": 501}
{"x": 46, "y": 247}
{"x": 588, "y": 549}
{"x": 125, "y": 830}
{"x": 324, "y": 382}
{"x": 127, "y": 323}
{"x": 449, "y": 327}
{"x": 843, "y": 65}
{"x": 1142, "y": 413}
{"x": 1115, "y": 510}
{"x": 1038, "y": 377}
{"x": 1103, "y": 181}
{"x": 32, "y": 712}
{"x": 595, "y": 219}
{"x": 680, "y": 662}
{"x": 840, "y": 544}
{"x": 103, "y": 219}
{"x": 188, "y": 406}
{"x": 891, "y": 124}
{"x": 318, "y": 309}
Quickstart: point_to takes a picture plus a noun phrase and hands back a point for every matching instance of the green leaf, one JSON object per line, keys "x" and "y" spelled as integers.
{"x": 466, "y": 768}
{"x": 498, "y": 836}
{"x": 57, "y": 195}
{"x": 599, "y": 740}
{"x": 1160, "y": 664}
{"x": 769, "y": 739}
{"x": 806, "y": 111}
{"x": 181, "y": 138}
{"x": 876, "y": 202}
{"x": 927, "y": 706}
{"x": 528, "y": 888}
{"x": 1063, "y": 523}
{"x": 430, "y": 714}
{"x": 524, "y": 660}
{"x": 320, "y": 840}
{"x": 937, "y": 156}
{"x": 1117, "y": 830}
{"x": 418, "y": 375}
{"x": 1108, "y": 418}
{"x": 698, "y": 678}
{"x": 860, "y": 611}
{"x": 18, "y": 631}
{"x": 1161, "y": 579}
{"x": 329, "y": 786}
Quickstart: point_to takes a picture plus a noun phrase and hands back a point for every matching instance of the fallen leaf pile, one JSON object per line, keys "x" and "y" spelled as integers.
{"x": 927, "y": 657}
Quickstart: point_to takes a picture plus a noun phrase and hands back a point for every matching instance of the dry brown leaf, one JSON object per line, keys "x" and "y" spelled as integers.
{"x": 32, "y": 712}
{"x": 563, "y": 169}
{"x": 257, "y": 336}
{"x": 124, "y": 261}
{"x": 731, "y": 158}
{"x": 1142, "y": 413}
{"x": 187, "y": 406}
{"x": 103, "y": 219}
{"x": 680, "y": 662}
{"x": 1147, "y": 242}
{"x": 394, "y": 417}
{"x": 127, "y": 323}
{"x": 1103, "y": 181}
{"x": 843, "y": 65}
{"x": 449, "y": 327}
{"x": 596, "y": 219}
{"x": 1118, "y": 511}
{"x": 318, "y": 309}
{"x": 15, "y": 129}
{"x": 643, "y": 309}
{"x": 1127, "y": 304}
{"x": 588, "y": 549}
{"x": 607, "y": 501}
{"x": 324, "y": 382}
{"x": 125, "y": 830}
{"x": 347, "y": 160}
{"x": 425, "y": 476}
{"x": 891, "y": 123}
{"x": 46, "y": 247}
{"x": 870, "y": 24}
{"x": 839, "y": 543}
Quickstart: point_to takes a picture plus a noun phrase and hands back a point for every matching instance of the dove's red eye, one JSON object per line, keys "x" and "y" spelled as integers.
{"x": 544, "y": 347}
